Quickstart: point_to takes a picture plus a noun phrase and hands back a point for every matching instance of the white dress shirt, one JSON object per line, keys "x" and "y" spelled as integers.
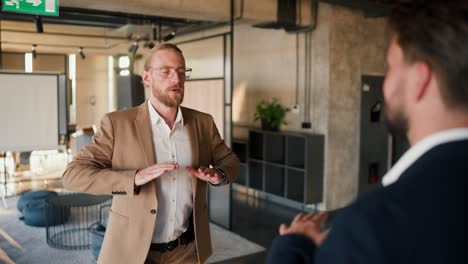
{"x": 174, "y": 188}
{"x": 423, "y": 146}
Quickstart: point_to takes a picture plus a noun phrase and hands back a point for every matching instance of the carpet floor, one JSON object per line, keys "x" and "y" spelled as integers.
{"x": 20, "y": 243}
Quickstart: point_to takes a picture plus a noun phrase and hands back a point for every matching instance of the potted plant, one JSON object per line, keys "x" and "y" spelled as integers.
{"x": 271, "y": 114}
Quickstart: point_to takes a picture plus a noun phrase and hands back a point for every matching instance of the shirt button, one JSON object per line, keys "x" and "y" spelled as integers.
{"x": 173, "y": 179}
{"x": 173, "y": 201}
{"x": 153, "y": 211}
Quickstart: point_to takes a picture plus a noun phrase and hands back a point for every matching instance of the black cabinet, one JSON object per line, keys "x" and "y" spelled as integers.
{"x": 275, "y": 182}
{"x": 275, "y": 148}
{"x": 296, "y": 186}
{"x": 285, "y": 164}
{"x": 240, "y": 148}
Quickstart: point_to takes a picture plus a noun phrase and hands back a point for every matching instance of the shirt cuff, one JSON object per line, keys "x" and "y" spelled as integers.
{"x": 223, "y": 182}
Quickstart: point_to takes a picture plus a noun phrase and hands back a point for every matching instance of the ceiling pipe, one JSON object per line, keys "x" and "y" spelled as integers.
{"x": 38, "y": 23}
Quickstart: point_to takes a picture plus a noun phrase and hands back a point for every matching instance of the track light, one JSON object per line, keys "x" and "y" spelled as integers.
{"x": 169, "y": 36}
{"x": 149, "y": 45}
{"x": 33, "y": 51}
{"x": 38, "y": 22}
{"x": 150, "y": 41}
{"x": 134, "y": 47}
{"x": 81, "y": 52}
{"x": 155, "y": 33}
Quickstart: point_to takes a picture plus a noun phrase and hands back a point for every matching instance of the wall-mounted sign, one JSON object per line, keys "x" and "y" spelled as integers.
{"x": 37, "y": 7}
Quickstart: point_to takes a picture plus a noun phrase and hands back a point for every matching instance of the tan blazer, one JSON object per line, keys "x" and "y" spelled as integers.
{"x": 108, "y": 165}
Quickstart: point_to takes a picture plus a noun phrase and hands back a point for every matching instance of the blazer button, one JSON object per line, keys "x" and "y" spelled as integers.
{"x": 153, "y": 211}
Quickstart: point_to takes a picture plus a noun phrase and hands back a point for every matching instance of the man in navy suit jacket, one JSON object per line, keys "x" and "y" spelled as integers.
{"x": 419, "y": 215}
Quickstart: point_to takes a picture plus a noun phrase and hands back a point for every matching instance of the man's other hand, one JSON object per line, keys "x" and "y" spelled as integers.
{"x": 309, "y": 225}
{"x": 206, "y": 174}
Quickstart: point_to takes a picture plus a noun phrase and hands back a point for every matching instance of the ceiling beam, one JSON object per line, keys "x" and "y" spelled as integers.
{"x": 370, "y": 8}
{"x": 210, "y": 10}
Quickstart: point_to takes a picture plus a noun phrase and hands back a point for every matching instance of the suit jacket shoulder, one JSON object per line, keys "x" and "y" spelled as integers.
{"x": 418, "y": 219}
{"x": 126, "y": 114}
{"x": 192, "y": 113}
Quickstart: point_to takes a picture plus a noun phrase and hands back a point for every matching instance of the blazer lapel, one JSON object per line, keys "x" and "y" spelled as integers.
{"x": 190, "y": 124}
{"x": 145, "y": 135}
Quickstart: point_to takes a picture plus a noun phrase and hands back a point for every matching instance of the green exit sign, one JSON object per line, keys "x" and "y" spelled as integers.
{"x": 37, "y": 7}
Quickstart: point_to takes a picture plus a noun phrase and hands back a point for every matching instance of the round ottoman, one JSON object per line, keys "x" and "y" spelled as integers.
{"x": 33, "y": 195}
{"x": 34, "y": 214}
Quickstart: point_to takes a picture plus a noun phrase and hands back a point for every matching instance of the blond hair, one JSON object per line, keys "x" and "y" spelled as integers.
{"x": 158, "y": 47}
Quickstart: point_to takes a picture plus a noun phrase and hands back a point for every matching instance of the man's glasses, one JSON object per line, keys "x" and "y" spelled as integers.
{"x": 167, "y": 72}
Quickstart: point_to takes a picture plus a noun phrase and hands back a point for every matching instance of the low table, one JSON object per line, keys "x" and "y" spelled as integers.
{"x": 69, "y": 218}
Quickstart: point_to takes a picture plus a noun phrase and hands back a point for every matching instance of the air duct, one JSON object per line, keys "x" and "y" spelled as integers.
{"x": 289, "y": 17}
{"x": 286, "y": 16}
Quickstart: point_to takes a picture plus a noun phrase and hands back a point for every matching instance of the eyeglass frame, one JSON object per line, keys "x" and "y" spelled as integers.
{"x": 186, "y": 72}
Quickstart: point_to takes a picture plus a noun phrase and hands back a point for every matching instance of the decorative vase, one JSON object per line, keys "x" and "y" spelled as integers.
{"x": 268, "y": 126}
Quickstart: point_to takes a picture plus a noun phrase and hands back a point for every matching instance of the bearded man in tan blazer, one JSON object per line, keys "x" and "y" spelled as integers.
{"x": 156, "y": 160}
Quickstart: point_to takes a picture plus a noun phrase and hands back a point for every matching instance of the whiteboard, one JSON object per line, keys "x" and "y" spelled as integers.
{"x": 28, "y": 112}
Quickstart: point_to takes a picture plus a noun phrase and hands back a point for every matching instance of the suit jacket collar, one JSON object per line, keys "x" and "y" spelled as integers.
{"x": 190, "y": 123}
{"x": 145, "y": 135}
{"x": 419, "y": 149}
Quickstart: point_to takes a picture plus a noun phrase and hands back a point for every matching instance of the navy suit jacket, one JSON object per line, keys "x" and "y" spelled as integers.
{"x": 420, "y": 218}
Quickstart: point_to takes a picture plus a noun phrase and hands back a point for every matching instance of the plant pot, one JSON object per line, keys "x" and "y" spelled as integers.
{"x": 267, "y": 126}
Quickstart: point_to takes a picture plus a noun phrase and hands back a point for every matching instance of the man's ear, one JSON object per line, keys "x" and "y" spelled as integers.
{"x": 423, "y": 76}
{"x": 145, "y": 76}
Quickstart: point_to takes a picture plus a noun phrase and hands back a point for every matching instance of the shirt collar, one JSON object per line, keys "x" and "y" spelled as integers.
{"x": 156, "y": 117}
{"x": 419, "y": 149}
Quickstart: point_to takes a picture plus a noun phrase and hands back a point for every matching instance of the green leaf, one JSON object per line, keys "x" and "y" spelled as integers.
{"x": 272, "y": 112}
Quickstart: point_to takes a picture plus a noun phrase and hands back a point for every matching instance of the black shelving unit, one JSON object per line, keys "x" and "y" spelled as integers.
{"x": 240, "y": 148}
{"x": 288, "y": 165}
{"x": 276, "y": 179}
